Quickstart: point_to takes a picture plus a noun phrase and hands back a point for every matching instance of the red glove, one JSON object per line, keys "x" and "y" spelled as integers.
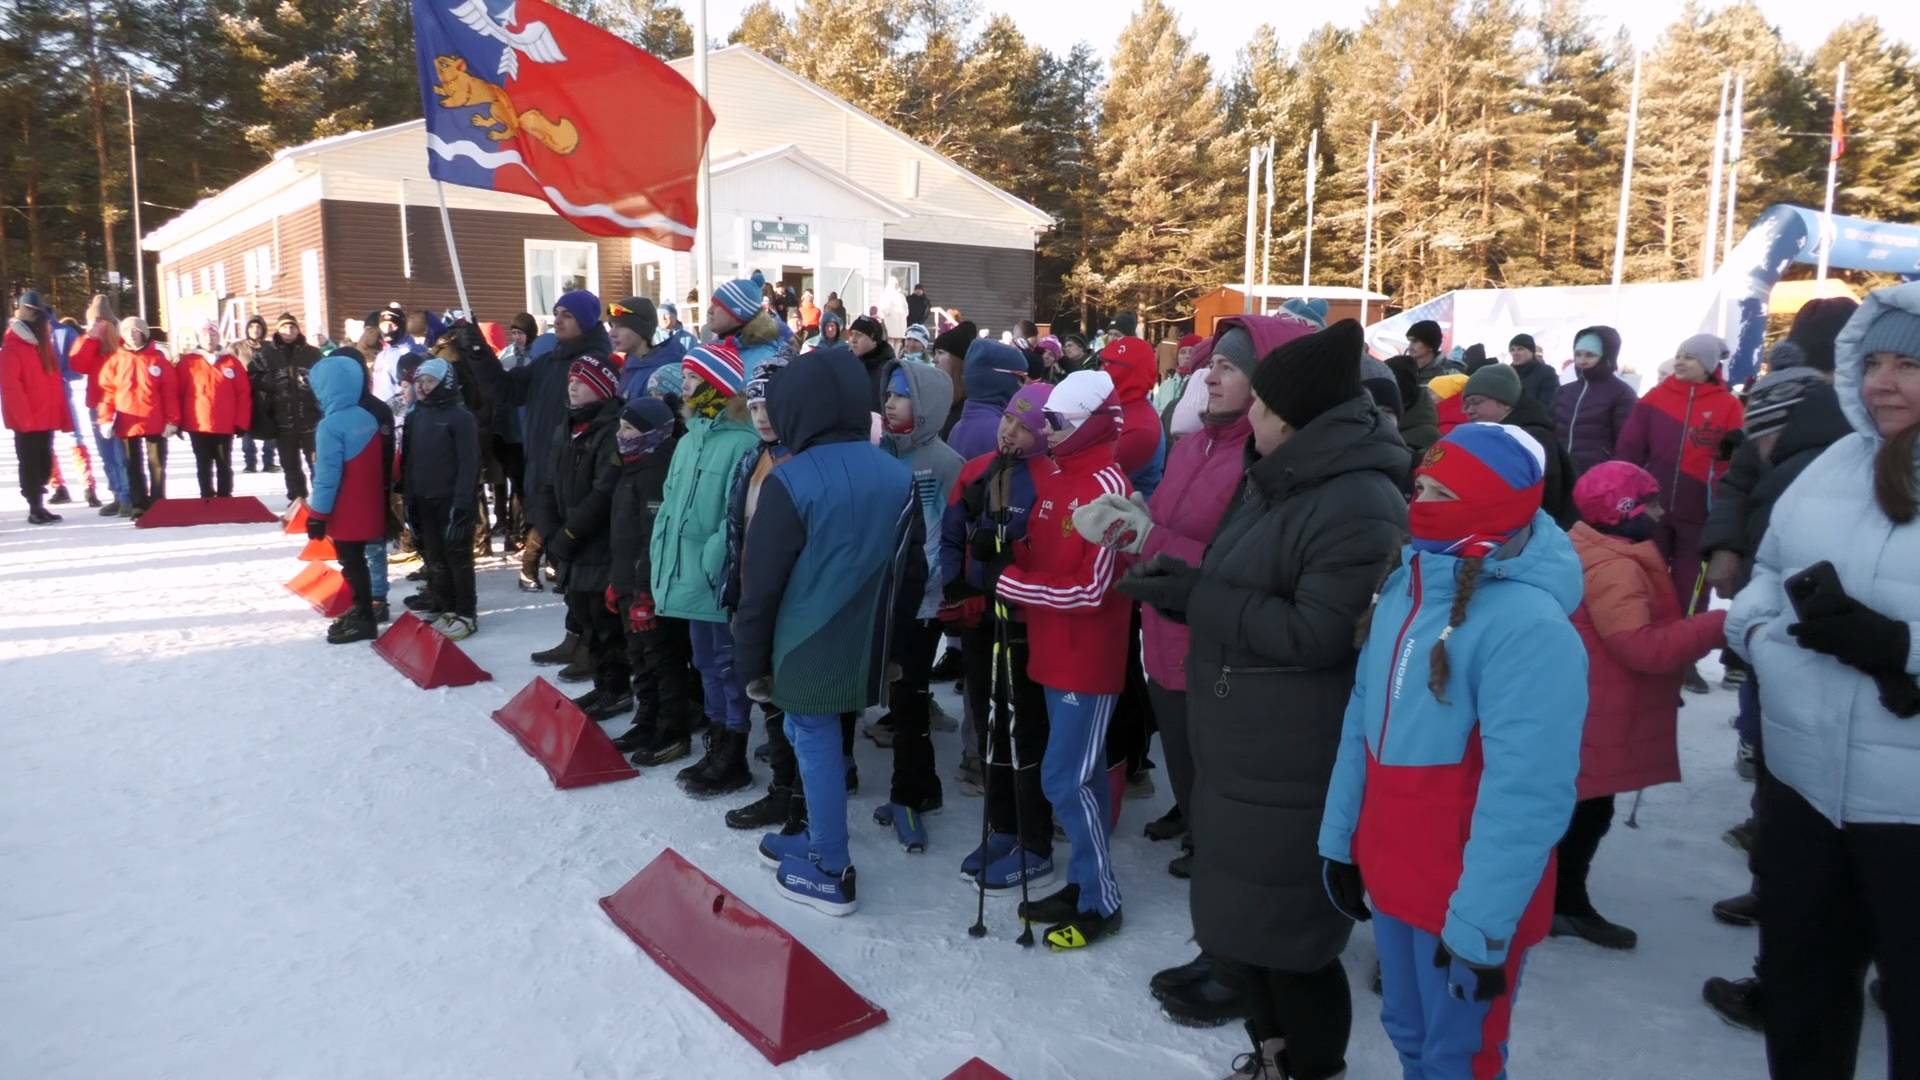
{"x": 613, "y": 602}
{"x": 640, "y": 617}
{"x": 965, "y": 613}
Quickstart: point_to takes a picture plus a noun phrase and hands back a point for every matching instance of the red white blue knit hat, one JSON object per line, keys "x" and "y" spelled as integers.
{"x": 720, "y": 365}
{"x": 587, "y": 370}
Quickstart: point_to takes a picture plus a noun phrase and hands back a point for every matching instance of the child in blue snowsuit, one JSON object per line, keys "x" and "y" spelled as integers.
{"x": 1459, "y": 750}
{"x": 832, "y": 565}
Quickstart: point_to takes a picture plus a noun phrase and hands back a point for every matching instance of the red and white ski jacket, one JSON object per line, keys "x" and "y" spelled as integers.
{"x": 1076, "y": 622}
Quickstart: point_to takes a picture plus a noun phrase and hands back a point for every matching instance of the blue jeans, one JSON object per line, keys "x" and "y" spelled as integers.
{"x": 1438, "y": 1036}
{"x": 1073, "y": 774}
{"x": 1747, "y": 721}
{"x": 113, "y": 462}
{"x": 377, "y": 568}
{"x": 260, "y": 451}
{"x": 726, "y": 694}
{"x": 823, "y": 779}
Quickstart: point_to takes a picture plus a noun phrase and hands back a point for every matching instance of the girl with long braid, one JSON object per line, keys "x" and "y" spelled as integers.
{"x": 1459, "y": 749}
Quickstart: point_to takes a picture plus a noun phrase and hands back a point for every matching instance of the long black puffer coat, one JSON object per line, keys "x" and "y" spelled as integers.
{"x": 283, "y": 402}
{"x": 1270, "y": 662}
{"x": 577, "y": 497}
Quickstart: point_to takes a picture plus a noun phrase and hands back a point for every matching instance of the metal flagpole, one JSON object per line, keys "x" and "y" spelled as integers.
{"x": 1737, "y": 120}
{"x": 1833, "y": 167}
{"x": 1366, "y": 249}
{"x": 1626, "y": 179}
{"x": 453, "y": 253}
{"x": 1313, "y": 171}
{"x": 1253, "y": 179}
{"x": 1707, "y": 250}
{"x": 1266, "y": 233}
{"x": 133, "y": 174}
{"x": 703, "y": 233}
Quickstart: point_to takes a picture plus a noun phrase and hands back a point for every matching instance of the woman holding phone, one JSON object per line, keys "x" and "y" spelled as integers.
{"x": 1828, "y": 624}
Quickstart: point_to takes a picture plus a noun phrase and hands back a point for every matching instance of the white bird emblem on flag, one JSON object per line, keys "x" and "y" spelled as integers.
{"x": 534, "y": 39}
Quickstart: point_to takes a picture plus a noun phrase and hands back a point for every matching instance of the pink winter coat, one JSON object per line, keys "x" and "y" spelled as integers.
{"x": 1202, "y": 472}
{"x": 1638, "y": 649}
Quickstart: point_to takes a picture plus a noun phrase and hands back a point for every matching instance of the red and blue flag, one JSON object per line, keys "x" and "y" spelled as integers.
{"x": 528, "y": 99}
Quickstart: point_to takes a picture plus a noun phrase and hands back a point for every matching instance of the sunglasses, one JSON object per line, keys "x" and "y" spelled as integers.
{"x": 616, "y": 310}
{"x": 1054, "y": 420}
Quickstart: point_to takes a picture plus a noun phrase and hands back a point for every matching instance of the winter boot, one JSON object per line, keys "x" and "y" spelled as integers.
{"x": 728, "y": 771}
{"x": 713, "y": 748}
{"x": 1264, "y": 1062}
{"x": 112, "y": 509}
{"x": 93, "y": 498}
{"x": 1005, "y": 874}
{"x": 1737, "y": 1001}
{"x": 1082, "y": 930}
{"x": 562, "y": 653}
{"x": 1168, "y": 825}
{"x": 880, "y": 731}
{"x": 998, "y": 844}
{"x": 1058, "y": 907}
{"x": 1740, "y": 837}
{"x": 1694, "y": 683}
{"x": 1742, "y": 910}
{"x": 970, "y": 776}
{"x": 1140, "y": 785}
{"x": 60, "y": 496}
{"x": 1170, "y": 979}
{"x": 907, "y": 824}
{"x": 381, "y": 613}
{"x": 778, "y": 847}
{"x": 354, "y": 626}
{"x": 38, "y": 515}
{"x": 807, "y": 882}
{"x": 456, "y": 627}
{"x": 580, "y": 670}
{"x": 853, "y": 778}
{"x": 663, "y": 751}
{"x": 769, "y": 809}
{"x": 1204, "y": 1002}
{"x": 947, "y": 667}
{"x": 1595, "y": 929}
{"x": 426, "y": 604}
{"x": 127, "y": 510}
{"x": 605, "y": 703}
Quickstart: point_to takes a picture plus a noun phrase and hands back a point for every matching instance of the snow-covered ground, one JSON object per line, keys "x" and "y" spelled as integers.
{"x": 228, "y": 849}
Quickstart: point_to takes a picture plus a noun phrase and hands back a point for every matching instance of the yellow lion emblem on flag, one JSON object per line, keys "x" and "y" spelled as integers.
{"x": 459, "y": 88}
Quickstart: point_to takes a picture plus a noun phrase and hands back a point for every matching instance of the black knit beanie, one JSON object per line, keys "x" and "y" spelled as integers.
{"x": 957, "y": 340}
{"x": 1309, "y": 375}
{"x": 1817, "y": 324}
{"x": 1427, "y": 332}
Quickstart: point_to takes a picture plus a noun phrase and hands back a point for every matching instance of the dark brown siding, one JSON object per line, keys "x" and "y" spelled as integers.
{"x": 299, "y": 231}
{"x": 365, "y": 270}
{"x": 991, "y": 286}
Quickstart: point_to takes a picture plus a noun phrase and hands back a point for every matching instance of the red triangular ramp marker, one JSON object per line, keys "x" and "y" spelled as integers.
{"x": 323, "y": 587}
{"x": 232, "y": 510}
{"x": 975, "y": 1069}
{"x": 297, "y": 523}
{"x": 424, "y": 655}
{"x": 572, "y": 748}
{"x": 775, "y": 992}
{"x": 320, "y": 550}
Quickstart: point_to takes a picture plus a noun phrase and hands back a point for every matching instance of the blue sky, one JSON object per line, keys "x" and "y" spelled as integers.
{"x": 1220, "y": 26}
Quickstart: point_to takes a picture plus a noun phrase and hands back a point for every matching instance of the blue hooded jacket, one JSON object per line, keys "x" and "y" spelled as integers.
{"x": 349, "y": 481}
{"x": 1452, "y": 809}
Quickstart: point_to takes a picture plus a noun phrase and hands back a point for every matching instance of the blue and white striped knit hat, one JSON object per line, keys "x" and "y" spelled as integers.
{"x": 740, "y": 297}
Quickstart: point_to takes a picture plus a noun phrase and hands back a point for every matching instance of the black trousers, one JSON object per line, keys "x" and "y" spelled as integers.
{"x": 509, "y": 462}
{"x": 1170, "y": 714}
{"x": 353, "y": 567}
{"x": 296, "y": 461}
{"x": 449, "y": 563}
{"x": 1313, "y": 1011}
{"x": 1591, "y": 820}
{"x": 601, "y": 631}
{"x": 146, "y": 469}
{"x": 34, "y": 451}
{"x": 1833, "y": 900}
{"x": 659, "y": 661}
{"x": 1133, "y": 721}
{"x": 213, "y": 462}
{"x": 915, "y": 782}
{"x": 1016, "y": 803}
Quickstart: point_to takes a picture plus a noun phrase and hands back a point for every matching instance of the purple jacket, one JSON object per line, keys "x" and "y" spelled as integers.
{"x": 1590, "y": 412}
{"x": 978, "y": 431}
{"x": 1203, "y": 470}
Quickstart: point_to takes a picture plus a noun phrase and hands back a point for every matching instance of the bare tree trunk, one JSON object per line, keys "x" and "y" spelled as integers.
{"x": 36, "y": 251}
{"x": 97, "y": 97}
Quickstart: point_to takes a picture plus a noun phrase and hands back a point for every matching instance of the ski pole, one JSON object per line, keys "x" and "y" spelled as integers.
{"x": 979, "y": 927}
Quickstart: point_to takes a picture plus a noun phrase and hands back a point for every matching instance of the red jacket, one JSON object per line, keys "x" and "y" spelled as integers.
{"x": 1638, "y": 649}
{"x": 87, "y": 358}
{"x": 139, "y": 393}
{"x": 1203, "y": 471}
{"x": 1077, "y": 623}
{"x": 1674, "y": 433}
{"x": 216, "y": 398}
{"x": 33, "y": 396}
{"x": 1130, "y": 362}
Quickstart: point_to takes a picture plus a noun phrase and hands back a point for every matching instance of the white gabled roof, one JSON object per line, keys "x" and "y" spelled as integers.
{"x": 790, "y": 153}
{"x": 1040, "y": 218}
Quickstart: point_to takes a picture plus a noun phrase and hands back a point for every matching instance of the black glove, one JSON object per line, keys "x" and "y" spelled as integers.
{"x": 1858, "y": 636}
{"x": 1470, "y": 982}
{"x": 991, "y": 568}
{"x": 974, "y": 496}
{"x": 316, "y": 528}
{"x": 984, "y": 545}
{"x": 1163, "y": 582}
{"x": 1345, "y": 889}
{"x": 560, "y": 546}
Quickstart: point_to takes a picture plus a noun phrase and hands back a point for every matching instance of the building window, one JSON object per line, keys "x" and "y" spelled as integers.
{"x": 220, "y": 279}
{"x": 904, "y": 274}
{"x": 173, "y": 284}
{"x": 555, "y": 267}
{"x": 647, "y": 281}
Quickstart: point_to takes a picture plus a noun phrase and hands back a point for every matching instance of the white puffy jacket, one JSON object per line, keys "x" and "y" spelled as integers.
{"x": 1827, "y": 735}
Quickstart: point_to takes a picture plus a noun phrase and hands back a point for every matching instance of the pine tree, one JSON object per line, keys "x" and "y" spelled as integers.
{"x": 763, "y": 28}
{"x": 323, "y": 68}
{"x": 658, "y": 26}
{"x": 1568, "y": 211}
{"x": 1165, "y": 225}
{"x": 1879, "y": 175}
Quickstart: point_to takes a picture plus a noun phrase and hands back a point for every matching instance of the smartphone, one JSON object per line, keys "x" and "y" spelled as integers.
{"x": 1816, "y": 591}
